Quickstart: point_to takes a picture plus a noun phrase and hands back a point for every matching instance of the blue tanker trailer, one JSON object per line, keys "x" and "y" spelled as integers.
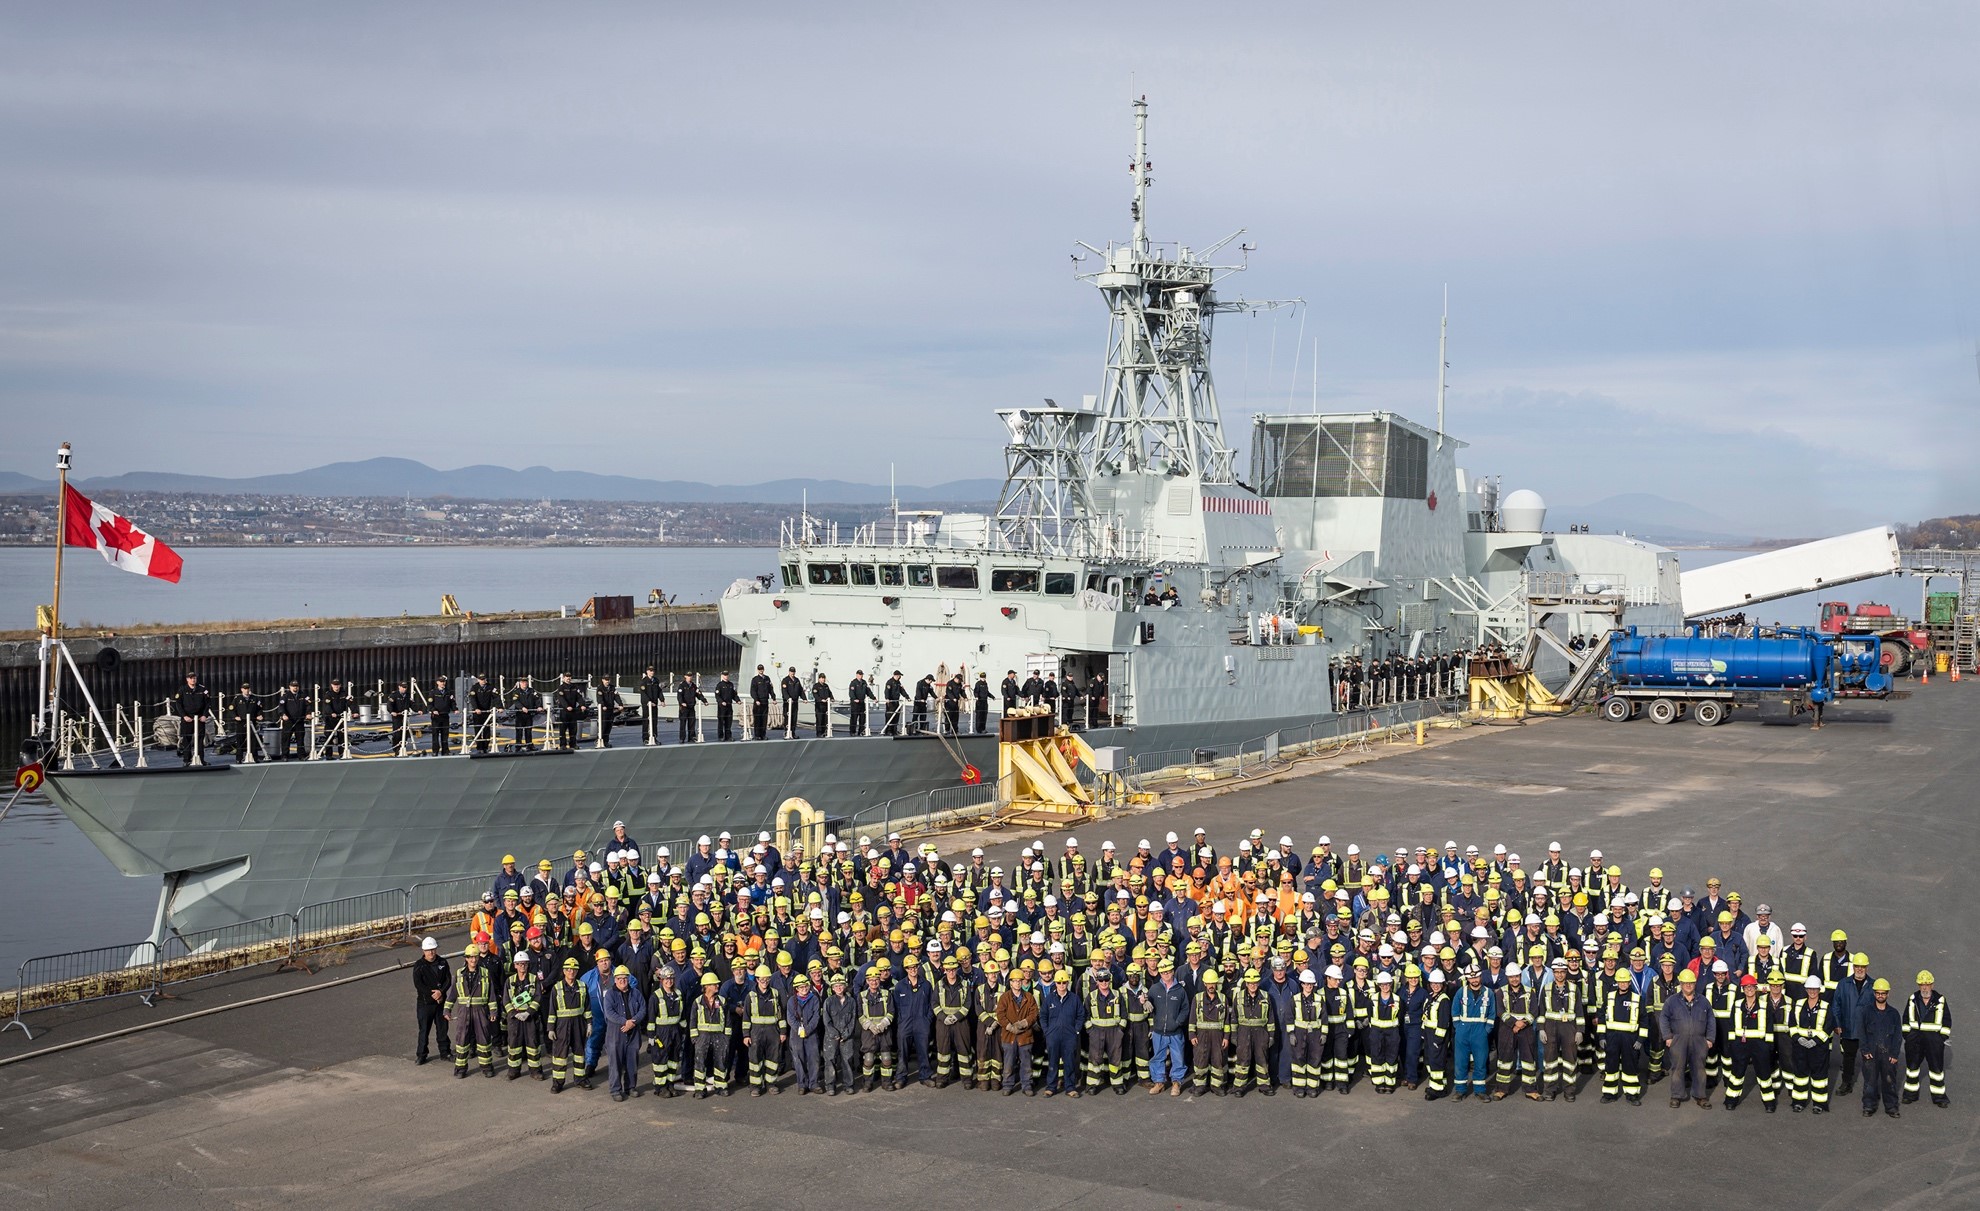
{"x": 1708, "y": 676}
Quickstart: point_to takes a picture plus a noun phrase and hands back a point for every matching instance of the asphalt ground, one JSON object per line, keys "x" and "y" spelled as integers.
{"x": 313, "y": 1100}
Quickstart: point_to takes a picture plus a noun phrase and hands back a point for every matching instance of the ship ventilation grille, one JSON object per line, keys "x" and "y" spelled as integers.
{"x": 1179, "y": 499}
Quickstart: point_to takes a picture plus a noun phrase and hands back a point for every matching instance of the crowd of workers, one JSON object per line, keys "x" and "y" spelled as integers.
{"x": 1461, "y": 973}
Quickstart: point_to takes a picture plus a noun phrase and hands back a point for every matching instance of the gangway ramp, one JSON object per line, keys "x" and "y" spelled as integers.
{"x": 1803, "y": 568}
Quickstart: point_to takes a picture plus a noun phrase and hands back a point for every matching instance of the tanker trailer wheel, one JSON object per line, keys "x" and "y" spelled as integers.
{"x": 1707, "y": 713}
{"x": 1896, "y": 659}
{"x": 1618, "y": 710}
{"x": 1663, "y": 710}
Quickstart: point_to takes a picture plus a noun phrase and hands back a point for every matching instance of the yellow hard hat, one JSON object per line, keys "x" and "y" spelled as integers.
{"x": 1775, "y": 977}
{"x": 1622, "y": 979}
{"x": 508, "y": 859}
{"x": 470, "y": 950}
{"x": 1614, "y": 872}
{"x": 620, "y": 970}
{"x": 1210, "y": 977}
{"x": 1860, "y": 959}
{"x": 762, "y": 971}
{"x": 710, "y": 980}
{"x": 1687, "y": 976}
{"x": 1656, "y": 872}
{"x": 1924, "y": 977}
{"x": 571, "y": 964}
{"x": 1882, "y": 985}
{"x": 1839, "y": 936}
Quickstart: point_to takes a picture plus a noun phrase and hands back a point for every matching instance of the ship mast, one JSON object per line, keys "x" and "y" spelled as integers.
{"x": 1158, "y": 404}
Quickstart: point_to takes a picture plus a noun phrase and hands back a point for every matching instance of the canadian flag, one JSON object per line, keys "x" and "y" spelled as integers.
{"x": 88, "y": 524}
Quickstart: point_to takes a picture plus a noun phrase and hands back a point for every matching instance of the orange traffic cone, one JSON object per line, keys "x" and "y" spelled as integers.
{"x": 1955, "y": 672}
{"x": 1925, "y": 678}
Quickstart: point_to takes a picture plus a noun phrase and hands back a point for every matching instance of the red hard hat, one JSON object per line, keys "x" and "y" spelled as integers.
{"x": 1748, "y": 981}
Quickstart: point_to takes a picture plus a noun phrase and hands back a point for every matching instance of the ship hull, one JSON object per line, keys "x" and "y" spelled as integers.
{"x": 237, "y": 843}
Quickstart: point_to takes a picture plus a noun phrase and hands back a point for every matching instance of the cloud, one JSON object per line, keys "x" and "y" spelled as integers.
{"x": 785, "y": 241}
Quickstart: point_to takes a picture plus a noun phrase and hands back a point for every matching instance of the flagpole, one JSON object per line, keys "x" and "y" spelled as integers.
{"x": 55, "y": 610}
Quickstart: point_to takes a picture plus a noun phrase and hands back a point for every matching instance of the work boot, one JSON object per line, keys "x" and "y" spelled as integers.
{"x": 1268, "y": 1090}
{"x": 1155, "y": 1089}
{"x": 1892, "y": 1112}
{"x": 1941, "y": 1100}
{"x": 1636, "y": 1099}
{"x": 556, "y": 1086}
{"x": 489, "y": 1073}
{"x": 515, "y": 1074}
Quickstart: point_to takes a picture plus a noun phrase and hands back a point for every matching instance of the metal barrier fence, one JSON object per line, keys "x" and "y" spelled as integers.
{"x": 374, "y": 916}
{"x": 77, "y": 977}
{"x": 920, "y": 808}
{"x": 442, "y": 901}
{"x": 210, "y": 952}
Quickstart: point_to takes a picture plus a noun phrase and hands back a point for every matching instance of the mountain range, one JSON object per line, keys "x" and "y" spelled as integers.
{"x": 1642, "y": 513}
{"x": 406, "y": 477}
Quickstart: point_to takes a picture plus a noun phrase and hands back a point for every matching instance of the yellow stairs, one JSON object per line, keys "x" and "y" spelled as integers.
{"x": 1037, "y": 773}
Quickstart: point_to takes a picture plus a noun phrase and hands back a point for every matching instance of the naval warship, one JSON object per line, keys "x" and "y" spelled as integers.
{"x": 1127, "y": 541}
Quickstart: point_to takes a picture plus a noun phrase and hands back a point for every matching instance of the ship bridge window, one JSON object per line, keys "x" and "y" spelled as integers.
{"x": 1061, "y": 584}
{"x": 890, "y": 574}
{"x": 791, "y": 579}
{"x": 956, "y": 576}
{"x": 862, "y": 575}
{"x": 1340, "y": 458}
{"x": 1014, "y": 580}
{"x": 921, "y": 576}
{"x": 825, "y": 573}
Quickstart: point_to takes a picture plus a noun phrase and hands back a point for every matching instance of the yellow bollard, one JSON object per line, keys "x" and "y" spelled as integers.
{"x": 1420, "y": 728}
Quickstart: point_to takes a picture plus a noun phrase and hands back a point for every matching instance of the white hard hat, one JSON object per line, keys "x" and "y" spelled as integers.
{"x": 1436, "y": 975}
{"x": 429, "y": 943}
{"x": 976, "y": 853}
{"x": 1326, "y": 840}
{"x": 1173, "y": 839}
{"x": 1307, "y": 977}
{"x": 663, "y": 852}
{"x": 594, "y": 868}
{"x": 1383, "y": 977}
{"x": 1333, "y": 971}
{"x": 1353, "y": 849}
{"x": 764, "y": 837}
{"x": 703, "y": 839}
{"x": 1719, "y": 965}
{"x": 1285, "y": 840}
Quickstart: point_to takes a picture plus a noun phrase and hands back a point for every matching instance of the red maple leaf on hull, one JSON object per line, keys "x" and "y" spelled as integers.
{"x": 118, "y": 534}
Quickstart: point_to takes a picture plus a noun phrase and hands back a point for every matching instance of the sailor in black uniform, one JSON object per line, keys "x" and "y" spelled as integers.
{"x": 1033, "y": 690}
{"x": 924, "y": 690}
{"x": 245, "y": 715}
{"x": 821, "y": 707}
{"x": 686, "y": 695}
{"x": 793, "y": 693}
{"x": 294, "y": 711}
{"x": 895, "y": 692}
{"x": 725, "y": 708}
{"x": 858, "y": 694}
{"x": 652, "y": 692}
{"x": 569, "y": 703}
{"x": 952, "y": 698}
{"x": 1011, "y": 690}
{"x": 1096, "y": 700}
{"x": 608, "y": 708}
{"x": 398, "y": 709}
{"x": 759, "y": 705}
{"x": 982, "y": 695}
{"x": 1050, "y": 692}
{"x": 1069, "y": 696}
{"x": 524, "y": 698}
{"x": 482, "y": 702}
{"x": 440, "y": 719}
{"x": 336, "y": 718}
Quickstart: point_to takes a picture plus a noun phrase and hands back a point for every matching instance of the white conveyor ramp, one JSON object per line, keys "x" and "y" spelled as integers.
{"x": 1771, "y": 575}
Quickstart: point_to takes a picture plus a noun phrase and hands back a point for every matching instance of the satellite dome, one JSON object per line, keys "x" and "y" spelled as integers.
{"x": 1523, "y": 511}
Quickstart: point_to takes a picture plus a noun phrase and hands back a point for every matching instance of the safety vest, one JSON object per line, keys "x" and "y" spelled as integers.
{"x": 472, "y": 987}
{"x": 1558, "y": 1003}
{"x": 1797, "y": 966}
{"x": 1519, "y": 1005}
{"x": 1131, "y": 996}
{"x": 1103, "y": 1009}
{"x": 1920, "y": 1020}
{"x": 709, "y": 1019}
{"x": 1810, "y": 1021}
{"x": 952, "y": 999}
{"x": 1385, "y": 1013}
{"x": 1751, "y": 1023}
{"x": 666, "y": 1009}
{"x": 765, "y": 1008}
{"x": 1338, "y": 1007}
{"x": 874, "y": 1014}
{"x": 1209, "y": 1011}
{"x": 1722, "y": 998}
{"x": 1309, "y": 1011}
{"x": 1253, "y": 1009}
{"x": 1624, "y": 1014}
{"x": 570, "y": 1000}
{"x": 986, "y": 1002}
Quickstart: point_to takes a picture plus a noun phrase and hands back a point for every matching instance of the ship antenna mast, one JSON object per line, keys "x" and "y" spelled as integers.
{"x": 1140, "y": 168}
{"x": 1443, "y": 365}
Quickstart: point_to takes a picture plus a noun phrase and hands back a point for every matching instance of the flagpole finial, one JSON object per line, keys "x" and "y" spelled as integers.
{"x": 62, "y": 458}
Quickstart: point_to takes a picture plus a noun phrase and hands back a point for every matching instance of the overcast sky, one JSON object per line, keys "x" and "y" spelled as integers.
{"x": 1729, "y": 254}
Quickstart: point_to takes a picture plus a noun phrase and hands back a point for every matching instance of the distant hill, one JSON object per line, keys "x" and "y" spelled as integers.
{"x": 406, "y": 477}
{"x": 1959, "y": 532}
{"x": 1650, "y": 516}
